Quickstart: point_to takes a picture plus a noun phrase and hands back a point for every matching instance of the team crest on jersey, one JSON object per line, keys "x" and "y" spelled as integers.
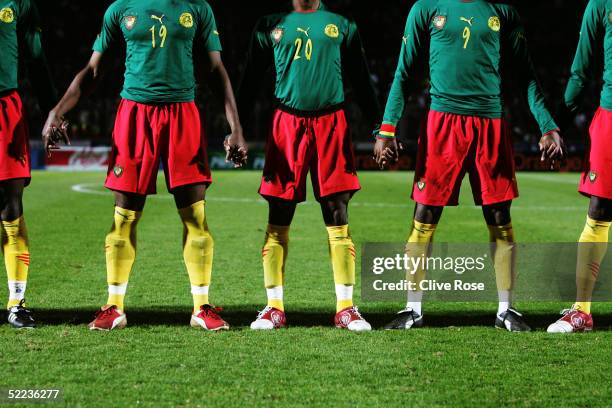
{"x": 129, "y": 22}
{"x": 277, "y": 34}
{"x": 592, "y": 176}
{"x": 331, "y": 30}
{"x": 439, "y": 22}
{"x": 7, "y": 15}
{"x": 186, "y": 20}
{"x": 494, "y": 23}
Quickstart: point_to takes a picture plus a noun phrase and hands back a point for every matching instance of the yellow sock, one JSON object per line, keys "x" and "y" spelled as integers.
{"x": 16, "y": 258}
{"x": 504, "y": 255}
{"x": 342, "y": 254}
{"x": 274, "y": 255}
{"x": 592, "y": 248}
{"x": 120, "y": 248}
{"x": 198, "y": 248}
{"x": 419, "y": 242}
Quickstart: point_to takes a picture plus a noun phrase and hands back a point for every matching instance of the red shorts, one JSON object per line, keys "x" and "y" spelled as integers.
{"x": 14, "y": 143}
{"x": 296, "y": 144}
{"x": 596, "y": 179}
{"x": 144, "y": 134}
{"x": 456, "y": 144}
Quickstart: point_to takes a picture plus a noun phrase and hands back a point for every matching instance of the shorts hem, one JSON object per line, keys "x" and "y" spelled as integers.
{"x": 187, "y": 181}
{"x": 342, "y": 189}
{"x": 8, "y": 177}
{"x": 590, "y": 194}
{"x": 129, "y": 190}
{"x": 281, "y": 196}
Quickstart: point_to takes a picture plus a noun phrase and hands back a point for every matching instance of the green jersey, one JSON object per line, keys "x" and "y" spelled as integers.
{"x": 20, "y": 31}
{"x": 160, "y": 37}
{"x": 595, "y": 36}
{"x": 466, "y": 43}
{"x": 310, "y": 51}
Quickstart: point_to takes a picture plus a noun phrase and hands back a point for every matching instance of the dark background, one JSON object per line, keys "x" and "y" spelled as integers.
{"x": 70, "y": 27}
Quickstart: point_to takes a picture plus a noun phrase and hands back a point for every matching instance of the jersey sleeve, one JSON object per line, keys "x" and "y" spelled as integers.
{"x": 111, "y": 29}
{"x": 355, "y": 68}
{"x": 414, "y": 48}
{"x": 516, "y": 41}
{"x": 207, "y": 30}
{"x": 29, "y": 37}
{"x": 591, "y": 35}
{"x": 259, "y": 59}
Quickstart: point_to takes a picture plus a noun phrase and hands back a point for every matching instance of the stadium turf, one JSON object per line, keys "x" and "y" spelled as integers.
{"x": 459, "y": 359}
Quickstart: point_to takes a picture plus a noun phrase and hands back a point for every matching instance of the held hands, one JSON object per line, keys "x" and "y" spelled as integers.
{"x": 552, "y": 147}
{"x": 54, "y": 132}
{"x": 236, "y": 149}
{"x": 386, "y": 152}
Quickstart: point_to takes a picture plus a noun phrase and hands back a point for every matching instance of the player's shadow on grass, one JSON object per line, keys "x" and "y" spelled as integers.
{"x": 242, "y": 318}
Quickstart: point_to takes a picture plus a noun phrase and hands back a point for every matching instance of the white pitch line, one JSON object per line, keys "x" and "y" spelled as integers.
{"x": 89, "y": 188}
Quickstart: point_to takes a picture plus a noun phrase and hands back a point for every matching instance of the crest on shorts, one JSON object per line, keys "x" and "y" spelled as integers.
{"x": 495, "y": 23}
{"x": 277, "y": 34}
{"x": 439, "y": 22}
{"x": 118, "y": 171}
{"x": 186, "y": 20}
{"x": 129, "y": 22}
{"x": 7, "y": 15}
{"x": 592, "y": 176}
{"x": 421, "y": 185}
{"x": 610, "y": 17}
{"x": 331, "y": 30}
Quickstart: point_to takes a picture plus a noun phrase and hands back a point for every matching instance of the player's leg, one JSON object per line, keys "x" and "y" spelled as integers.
{"x": 131, "y": 176}
{"x": 592, "y": 248}
{"x": 334, "y": 179}
{"x": 503, "y": 248}
{"x": 15, "y": 172}
{"x": 342, "y": 254}
{"x": 443, "y": 150}
{"x": 120, "y": 249}
{"x": 288, "y": 150}
{"x": 596, "y": 182}
{"x": 493, "y": 180}
{"x": 274, "y": 256}
{"x": 15, "y": 248}
{"x": 424, "y": 224}
{"x": 198, "y": 250}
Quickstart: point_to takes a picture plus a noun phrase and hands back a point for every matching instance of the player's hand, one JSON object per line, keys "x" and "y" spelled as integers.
{"x": 552, "y": 148}
{"x": 386, "y": 152}
{"x": 54, "y": 132}
{"x": 236, "y": 149}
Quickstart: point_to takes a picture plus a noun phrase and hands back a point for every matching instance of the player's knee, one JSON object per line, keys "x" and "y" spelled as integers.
{"x": 281, "y": 211}
{"x": 12, "y": 208}
{"x": 428, "y": 214}
{"x": 203, "y": 241}
{"x": 600, "y": 209}
{"x": 114, "y": 242}
{"x": 498, "y": 214}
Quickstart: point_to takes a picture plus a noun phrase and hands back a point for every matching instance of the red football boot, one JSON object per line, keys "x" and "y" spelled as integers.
{"x": 108, "y": 318}
{"x": 351, "y": 319}
{"x": 269, "y": 318}
{"x": 573, "y": 321}
{"x": 208, "y": 319}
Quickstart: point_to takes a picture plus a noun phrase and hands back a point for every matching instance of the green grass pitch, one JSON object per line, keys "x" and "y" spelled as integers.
{"x": 158, "y": 360}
